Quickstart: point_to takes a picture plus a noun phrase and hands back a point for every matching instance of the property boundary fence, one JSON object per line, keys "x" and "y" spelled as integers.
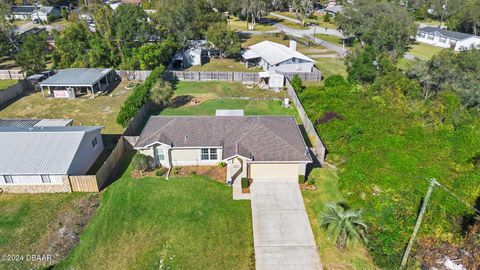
{"x": 318, "y": 148}
{"x": 13, "y": 92}
{"x": 139, "y": 75}
{"x": 11, "y": 74}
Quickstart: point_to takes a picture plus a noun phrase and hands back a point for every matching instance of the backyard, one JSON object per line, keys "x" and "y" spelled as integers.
{"x": 204, "y": 98}
{"x": 101, "y": 110}
{"x": 224, "y": 65}
{"x": 4, "y": 84}
{"x": 150, "y": 223}
{"x": 424, "y": 51}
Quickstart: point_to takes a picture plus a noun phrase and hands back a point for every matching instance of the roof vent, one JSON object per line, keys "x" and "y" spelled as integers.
{"x": 186, "y": 137}
{"x": 307, "y": 150}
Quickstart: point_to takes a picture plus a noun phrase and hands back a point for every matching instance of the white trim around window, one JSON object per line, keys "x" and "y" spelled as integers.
{"x": 209, "y": 154}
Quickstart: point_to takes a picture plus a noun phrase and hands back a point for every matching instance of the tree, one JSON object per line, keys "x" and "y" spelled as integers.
{"x": 344, "y": 226}
{"x": 227, "y": 41}
{"x": 6, "y": 31}
{"x": 161, "y": 92}
{"x": 302, "y": 9}
{"x": 467, "y": 18}
{"x": 254, "y": 9}
{"x": 383, "y": 25}
{"x": 72, "y": 46}
{"x": 140, "y": 163}
{"x": 31, "y": 55}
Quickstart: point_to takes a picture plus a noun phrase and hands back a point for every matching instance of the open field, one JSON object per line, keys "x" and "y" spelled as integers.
{"x": 101, "y": 111}
{"x": 236, "y": 24}
{"x": 150, "y": 223}
{"x": 4, "y": 84}
{"x": 424, "y": 51}
{"x": 28, "y": 224}
{"x": 355, "y": 257}
{"x": 224, "y": 64}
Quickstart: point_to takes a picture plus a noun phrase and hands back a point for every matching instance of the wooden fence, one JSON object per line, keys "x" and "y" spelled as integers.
{"x": 314, "y": 76}
{"x": 105, "y": 173}
{"x": 12, "y": 74}
{"x": 13, "y": 92}
{"x": 318, "y": 147}
{"x": 83, "y": 183}
{"x": 139, "y": 75}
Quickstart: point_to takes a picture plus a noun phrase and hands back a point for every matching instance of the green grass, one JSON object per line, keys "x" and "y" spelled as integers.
{"x": 4, "y": 84}
{"x": 424, "y": 51}
{"x": 331, "y": 66}
{"x": 224, "y": 64}
{"x": 25, "y": 221}
{"x": 355, "y": 257}
{"x": 214, "y": 89}
{"x": 236, "y": 24}
{"x": 101, "y": 111}
{"x": 190, "y": 222}
{"x": 329, "y": 38}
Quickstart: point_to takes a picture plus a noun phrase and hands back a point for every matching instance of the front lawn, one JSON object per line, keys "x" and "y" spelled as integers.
{"x": 331, "y": 66}
{"x": 356, "y": 257}
{"x": 4, "y": 84}
{"x": 30, "y": 224}
{"x": 101, "y": 111}
{"x": 223, "y": 65}
{"x": 330, "y": 38}
{"x": 153, "y": 223}
{"x": 424, "y": 51}
{"x": 236, "y": 24}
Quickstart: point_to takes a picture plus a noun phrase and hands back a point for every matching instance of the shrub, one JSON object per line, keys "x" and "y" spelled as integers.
{"x": 311, "y": 181}
{"x": 140, "y": 163}
{"x": 297, "y": 84}
{"x": 245, "y": 182}
{"x": 335, "y": 80}
{"x": 176, "y": 170}
{"x": 301, "y": 179}
{"x": 161, "y": 171}
{"x": 222, "y": 164}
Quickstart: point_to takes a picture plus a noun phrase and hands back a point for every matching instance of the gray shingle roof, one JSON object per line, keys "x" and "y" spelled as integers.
{"x": 40, "y": 150}
{"x": 261, "y": 138}
{"x": 76, "y": 77}
{"x": 445, "y": 33}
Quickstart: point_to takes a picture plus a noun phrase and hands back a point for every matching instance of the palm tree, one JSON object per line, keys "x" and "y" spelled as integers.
{"x": 345, "y": 226}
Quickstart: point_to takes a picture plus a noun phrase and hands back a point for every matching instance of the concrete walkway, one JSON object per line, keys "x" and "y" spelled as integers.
{"x": 283, "y": 238}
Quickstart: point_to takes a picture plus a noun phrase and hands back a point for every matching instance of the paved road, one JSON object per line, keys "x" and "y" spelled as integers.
{"x": 283, "y": 238}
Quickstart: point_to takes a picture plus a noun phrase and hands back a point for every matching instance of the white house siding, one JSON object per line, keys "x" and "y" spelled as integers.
{"x": 32, "y": 184}
{"x": 468, "y": 43}
{"x": 86, "y": 154}
{"x": 191, "y": 156}
{"x": 445, "y": 42}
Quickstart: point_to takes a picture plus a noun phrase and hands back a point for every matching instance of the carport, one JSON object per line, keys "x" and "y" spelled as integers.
{"x": 69, "y": 83}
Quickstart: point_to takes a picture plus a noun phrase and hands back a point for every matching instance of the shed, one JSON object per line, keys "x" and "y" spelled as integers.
{"x": 69, "y": 83}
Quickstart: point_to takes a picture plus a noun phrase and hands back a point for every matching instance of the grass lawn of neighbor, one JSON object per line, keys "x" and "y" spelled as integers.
{"x": 329, "y": 38}
{"x": 331, "y": 66}
{"x": 223, "y": 64}
{"x": 4, "y": 84}
{"x": 153, "y": 223}
{"x": 424, "y": 51}
{"x": 238, "y": 25}
{"x": 29, "y": 224}
{"x": 355, "y": 257}
{"x": 101, "y": 110}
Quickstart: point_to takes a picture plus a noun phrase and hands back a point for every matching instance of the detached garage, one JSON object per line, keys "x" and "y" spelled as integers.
{"x": 275, "y": 171}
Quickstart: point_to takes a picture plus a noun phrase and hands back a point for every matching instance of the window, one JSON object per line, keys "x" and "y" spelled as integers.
{"x": 443, "y": 40}
{"x": 422, "y": 35}
{"x": 431, "y": 37}
{"x": 46, "y": 179}
{"x": 8, "y": 179}
{"x": 159, "y": 154}
{"x": 209, "y": 154}
{"x": 94, "y": 142}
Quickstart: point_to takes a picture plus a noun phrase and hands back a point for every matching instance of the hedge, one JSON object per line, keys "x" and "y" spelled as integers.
{"x": 140, "y": 96}
{"x": 245, "y": 182}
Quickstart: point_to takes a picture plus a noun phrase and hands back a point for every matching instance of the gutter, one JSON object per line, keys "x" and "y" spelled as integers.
{"x": 168, "y": 172}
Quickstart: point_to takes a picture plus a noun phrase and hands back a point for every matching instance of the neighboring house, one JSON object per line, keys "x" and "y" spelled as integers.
{"x": 447, "y": 39}
{"x": 333, "y": 10}
{"x": 263, "y": 148}
{"x": 195, "y": 53}
{"x": 38, "y": 159}
{"x": 40, "y": 13}
{"x": 274, "y": 57}
{"x": 72, "y": 82}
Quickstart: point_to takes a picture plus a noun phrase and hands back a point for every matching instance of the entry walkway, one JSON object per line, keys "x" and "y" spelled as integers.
{"x": 283, "y": 238}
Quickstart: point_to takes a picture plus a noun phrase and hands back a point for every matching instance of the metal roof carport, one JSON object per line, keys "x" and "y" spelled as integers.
{"x": 77, "y": 77}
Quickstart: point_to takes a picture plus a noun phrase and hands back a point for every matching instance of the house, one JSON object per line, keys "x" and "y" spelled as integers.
{"x": 274, "y": 57}
{"x": 447, "y": 39}
{"x": 13, "y": 122}
{"x": 195, "y": 53}
{"x": 333, "y": 10}
{"x": 72, "y": 82}
{"x": 39, "y": 13}
{"x": 263, "y": 148}
{"x": 39, "y": 158}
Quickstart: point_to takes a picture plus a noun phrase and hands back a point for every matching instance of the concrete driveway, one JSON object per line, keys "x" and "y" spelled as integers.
{"x": 283, "y": 238}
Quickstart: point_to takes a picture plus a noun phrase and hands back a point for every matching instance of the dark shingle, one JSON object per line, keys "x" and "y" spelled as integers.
{"x": 445, "y": 33}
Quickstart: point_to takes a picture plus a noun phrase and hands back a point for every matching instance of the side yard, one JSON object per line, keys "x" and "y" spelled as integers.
{"x": 4, "y": 84}
{"x": 186, "y": 222}
{"x": 101, "y": 111}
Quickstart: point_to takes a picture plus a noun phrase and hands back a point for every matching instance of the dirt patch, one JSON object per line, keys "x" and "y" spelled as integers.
{"x": 216, "y": 173}
{"x": 188, "y": 100}
{"x": 62, "y": 237}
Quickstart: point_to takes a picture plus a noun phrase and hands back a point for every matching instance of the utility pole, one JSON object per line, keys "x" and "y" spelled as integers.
{"x": 444, "y": 7}
{"x": 433, "y": 183}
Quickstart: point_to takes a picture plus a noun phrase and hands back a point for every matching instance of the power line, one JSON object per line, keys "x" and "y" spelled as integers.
{"x": 458, "y": 198}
